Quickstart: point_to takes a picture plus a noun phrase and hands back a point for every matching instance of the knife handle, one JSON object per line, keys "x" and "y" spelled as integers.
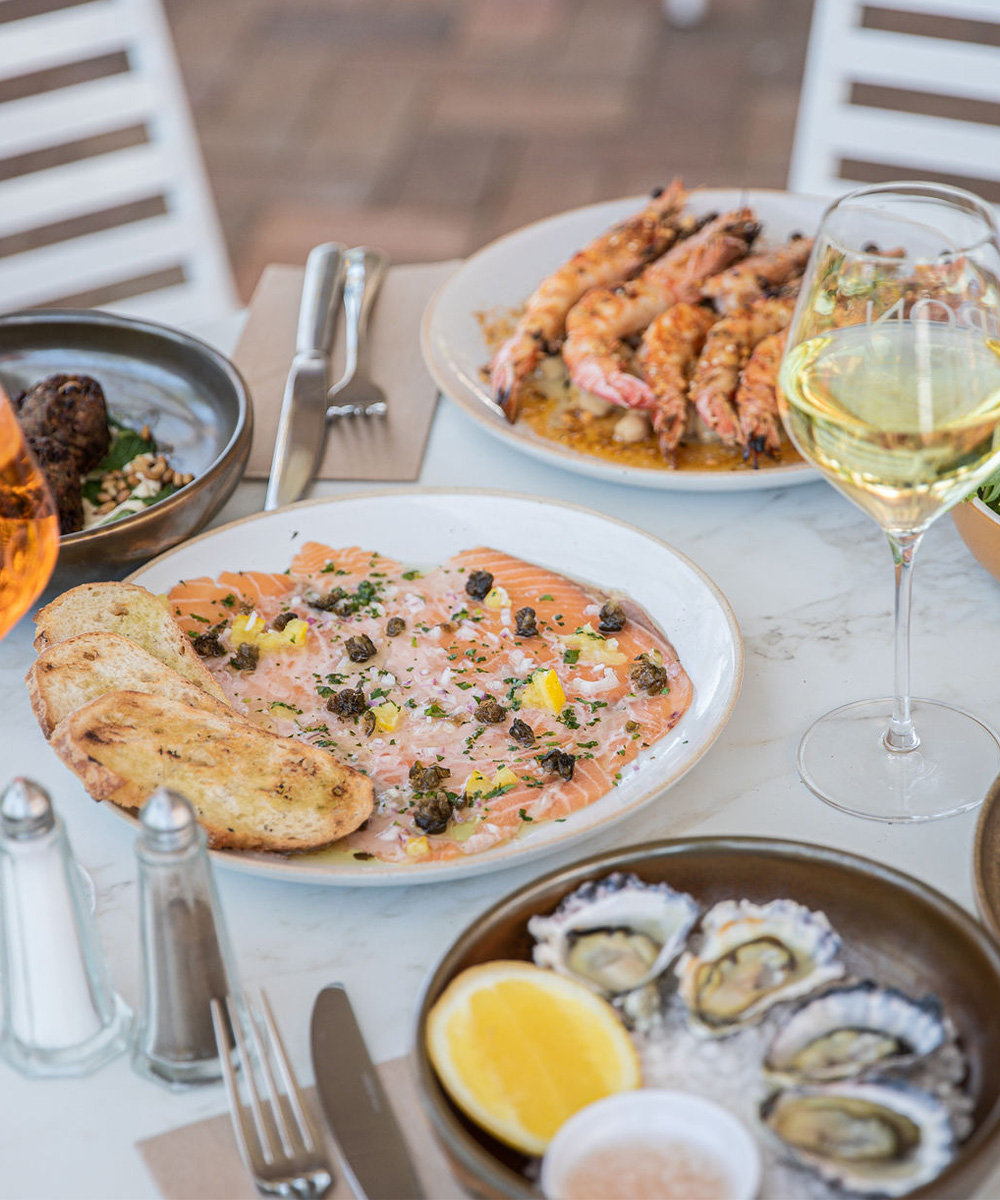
{"x": 324, "y": 273}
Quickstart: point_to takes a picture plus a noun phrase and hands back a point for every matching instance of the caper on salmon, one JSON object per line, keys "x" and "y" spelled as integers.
{"x": 208, "y": 645}
{"x": 647, "y": 675}
{"x": 348, "y": 702}
{"x": 521, "y": 732}
{"x": 612, "y": 618}
{"x": 394, "y": 626}
{"x": 524, "y": 622}
{"x": 490, "y": 711}
{"x": 426, "y": 779}
{"x": 360, "y": 648}
{"x": 478, "y": 584}
{"x": 559, "y": 763}
{"x": 246, "y": 657}
{"x": 433, "y": 813}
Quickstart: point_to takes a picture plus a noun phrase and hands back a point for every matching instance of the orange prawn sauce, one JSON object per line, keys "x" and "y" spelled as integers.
{"x": 549, "y": 405}
{"x": 641, "y": 1170}
{"x": 561, "y": 420}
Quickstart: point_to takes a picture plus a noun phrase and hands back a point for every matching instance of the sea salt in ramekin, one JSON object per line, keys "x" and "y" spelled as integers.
{"x": 658, "y": 1119}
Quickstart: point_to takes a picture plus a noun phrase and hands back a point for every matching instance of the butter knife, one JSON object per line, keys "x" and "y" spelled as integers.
{"x": 355, "y": 1104}
{"x": 302, "y": 423}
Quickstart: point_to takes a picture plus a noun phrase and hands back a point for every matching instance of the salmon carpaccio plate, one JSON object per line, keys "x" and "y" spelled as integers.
{"x": 481, "y": 696}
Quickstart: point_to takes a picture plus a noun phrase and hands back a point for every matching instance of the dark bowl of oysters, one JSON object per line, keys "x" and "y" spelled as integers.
{"x": 142, "y": 431}
{"x": 844, "y": 1011}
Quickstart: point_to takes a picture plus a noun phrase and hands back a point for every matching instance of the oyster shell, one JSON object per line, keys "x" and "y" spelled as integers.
{"x": 751, "y": 957}
{"x": 849, "y": 1031}
{"x": 615, "y": 934}
{"x": 880, "y": 1139}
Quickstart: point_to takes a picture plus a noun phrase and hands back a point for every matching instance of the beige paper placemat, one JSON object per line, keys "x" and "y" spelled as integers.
{"x": 201, "y": 1160}
{"x": 389, "y": 448}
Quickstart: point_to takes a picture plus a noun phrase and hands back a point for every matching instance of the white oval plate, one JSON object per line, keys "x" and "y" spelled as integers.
{"x": 427, "y": 526}
{"x": 503, "y": 274}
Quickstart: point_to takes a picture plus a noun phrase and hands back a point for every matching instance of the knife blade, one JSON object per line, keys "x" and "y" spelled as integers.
{"x": 355, "y": 1104}
{"x": 302, "y": 422}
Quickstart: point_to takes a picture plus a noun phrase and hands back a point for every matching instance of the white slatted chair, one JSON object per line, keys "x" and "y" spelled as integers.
{"x": 883, "y": 102}
{"x": 104, "y": 200}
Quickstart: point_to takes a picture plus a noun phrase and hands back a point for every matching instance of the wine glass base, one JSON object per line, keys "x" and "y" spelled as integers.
{"x": 843, "y": 759}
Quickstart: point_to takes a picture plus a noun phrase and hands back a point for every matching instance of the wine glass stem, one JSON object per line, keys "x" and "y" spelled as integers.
{"x": 901, "y": 736}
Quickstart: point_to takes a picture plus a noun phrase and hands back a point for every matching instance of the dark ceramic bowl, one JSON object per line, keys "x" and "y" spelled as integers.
{"x": 191, "y": 396}
{"x": 895, "y": 929}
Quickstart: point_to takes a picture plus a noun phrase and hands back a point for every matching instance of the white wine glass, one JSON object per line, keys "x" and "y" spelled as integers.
{"x": 890, "y": 384}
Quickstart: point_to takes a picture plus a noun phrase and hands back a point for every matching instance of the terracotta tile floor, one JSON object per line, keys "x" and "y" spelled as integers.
{"x": 429, "y": 127}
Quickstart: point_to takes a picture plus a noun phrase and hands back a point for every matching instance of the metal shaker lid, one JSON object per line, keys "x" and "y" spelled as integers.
{"x": 168, "y": 821}
{"x": 25, "y": 810}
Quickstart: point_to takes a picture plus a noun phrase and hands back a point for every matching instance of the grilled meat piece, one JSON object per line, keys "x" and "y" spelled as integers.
{"x": 58, "y": 465}
{"x": 70, "y": 409}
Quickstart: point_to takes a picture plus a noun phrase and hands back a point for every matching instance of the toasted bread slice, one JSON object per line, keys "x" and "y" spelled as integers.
{"x": 133, "y": 612}
{"x": 77, "y": 669}
{"x": 251, "y": 789}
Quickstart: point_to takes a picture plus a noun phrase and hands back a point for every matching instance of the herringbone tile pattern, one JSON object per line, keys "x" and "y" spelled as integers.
{"x": 429, "y": 127}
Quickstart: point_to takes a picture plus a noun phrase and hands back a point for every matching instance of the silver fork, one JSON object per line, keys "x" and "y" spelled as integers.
{"x": 279, "y": 1145}
{"x": 356, "y": 393}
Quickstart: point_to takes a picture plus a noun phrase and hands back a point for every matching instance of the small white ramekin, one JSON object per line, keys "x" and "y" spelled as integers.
{"x": 656, "y": 1116}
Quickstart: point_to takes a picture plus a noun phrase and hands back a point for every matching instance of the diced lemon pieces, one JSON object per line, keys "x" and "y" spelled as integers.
{"x": 543, "y": 691}
{"x": 497, "y": 598}
{"x": 249, "y": 627}
{"x": 594, "y": 647}
{"x": 417, "y": 847}
{"x": 387, "y": 715}
{"x": 477, "y": 783}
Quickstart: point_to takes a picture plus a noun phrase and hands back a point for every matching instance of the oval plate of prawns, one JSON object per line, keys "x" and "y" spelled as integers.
{"x": 636, "y": 340}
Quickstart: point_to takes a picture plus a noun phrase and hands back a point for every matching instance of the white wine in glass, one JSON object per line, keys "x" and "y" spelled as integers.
{"x": 890, "y": 384}
{"x": 29, "y": 527}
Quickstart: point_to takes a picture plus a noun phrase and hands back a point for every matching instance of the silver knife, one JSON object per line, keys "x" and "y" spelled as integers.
{"x": 355, "y": 1104}
{"x": 302, "y": 423}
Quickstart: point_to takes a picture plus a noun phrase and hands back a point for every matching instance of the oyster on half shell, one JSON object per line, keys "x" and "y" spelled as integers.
{"x": 752, "y": 956}
{"x": 615, "y": 934}
{"x": 853, "y": 1029}
{"x": 878, "y": 1139}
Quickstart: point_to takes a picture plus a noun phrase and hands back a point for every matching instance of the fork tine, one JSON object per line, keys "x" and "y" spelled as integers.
{"x": 264, "y": 1138}
{"x": 293, "y": 1093}
{"x": 248, "y": 1151}
{"x": 280, "y": 1145}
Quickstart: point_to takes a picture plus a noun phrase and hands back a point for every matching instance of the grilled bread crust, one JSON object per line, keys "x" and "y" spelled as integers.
{"x": 251, "y": 789}
{"x": 133, "y": 612}
{"x": 70, "y": 673}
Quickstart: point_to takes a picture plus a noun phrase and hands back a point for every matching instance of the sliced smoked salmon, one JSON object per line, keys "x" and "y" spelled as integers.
{"x": 480, "y": 695}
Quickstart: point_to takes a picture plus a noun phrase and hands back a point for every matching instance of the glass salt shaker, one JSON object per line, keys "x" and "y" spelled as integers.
{"x": 186, "y": 957}
{"x": 61, "y": 1014}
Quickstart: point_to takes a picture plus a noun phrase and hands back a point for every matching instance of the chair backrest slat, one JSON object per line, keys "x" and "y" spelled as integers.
{"x": 880, "y": 103}
{"x": 102, "y": 186}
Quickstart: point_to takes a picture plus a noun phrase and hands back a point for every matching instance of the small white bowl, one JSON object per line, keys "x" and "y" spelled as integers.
{"x": 656, "y": 1117}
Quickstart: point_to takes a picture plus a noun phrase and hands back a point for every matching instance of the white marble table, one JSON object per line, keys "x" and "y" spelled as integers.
{"x": 810, "y": 580}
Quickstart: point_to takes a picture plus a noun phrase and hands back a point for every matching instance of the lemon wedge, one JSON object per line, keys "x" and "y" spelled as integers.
{"x": 520, "y": 1049}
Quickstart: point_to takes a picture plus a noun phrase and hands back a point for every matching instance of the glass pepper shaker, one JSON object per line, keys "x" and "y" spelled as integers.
{"x": 61, "y": 1014}
{"x": 186, "y": 957}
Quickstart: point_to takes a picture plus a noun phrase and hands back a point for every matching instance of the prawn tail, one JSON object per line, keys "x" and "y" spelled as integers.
{"x": 605, "y": 378}
{"x": 506, "y": 372}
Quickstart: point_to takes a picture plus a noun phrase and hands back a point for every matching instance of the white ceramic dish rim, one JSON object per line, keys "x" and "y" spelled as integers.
{"x": 648, "y": 1115}
{"x": 505, "y": 271}
{"x": 716, "y": 671}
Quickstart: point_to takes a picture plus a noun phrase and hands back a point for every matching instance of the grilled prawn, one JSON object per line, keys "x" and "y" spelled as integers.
{"x": 728, "y": 347}
{"x": 596, "y": 325}
{"x": 608, "y": 259}
{"x": 750, "y": 279}
{"x": 756, "y": 397}
{"x": 669, "y": 349}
